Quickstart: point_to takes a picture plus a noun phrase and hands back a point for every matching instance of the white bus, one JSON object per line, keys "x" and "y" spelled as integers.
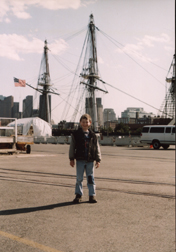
{"x": 158, "y": 135}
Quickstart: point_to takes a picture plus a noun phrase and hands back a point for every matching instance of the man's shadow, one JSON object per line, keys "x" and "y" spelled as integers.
{"x": 39, "y": 208}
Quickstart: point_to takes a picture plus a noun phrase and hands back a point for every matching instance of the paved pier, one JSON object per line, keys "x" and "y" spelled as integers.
{"x": 135, "y": 210}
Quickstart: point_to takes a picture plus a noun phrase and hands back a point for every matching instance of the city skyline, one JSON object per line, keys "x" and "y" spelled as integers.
{"x": 135, "y": 47}
{"x": 10, "y": 108}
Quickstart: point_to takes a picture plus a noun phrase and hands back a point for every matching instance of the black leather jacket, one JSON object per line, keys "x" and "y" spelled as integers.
{"x": 77, "y": 147}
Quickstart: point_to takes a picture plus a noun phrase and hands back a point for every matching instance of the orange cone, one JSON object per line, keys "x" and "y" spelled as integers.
{"x": 151, "y": 146}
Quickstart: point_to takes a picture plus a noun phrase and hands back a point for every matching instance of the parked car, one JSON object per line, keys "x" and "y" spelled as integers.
{"x": 158, "y": 135}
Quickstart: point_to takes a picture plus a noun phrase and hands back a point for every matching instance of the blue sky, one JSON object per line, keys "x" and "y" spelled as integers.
{"x": 137, "y": 62}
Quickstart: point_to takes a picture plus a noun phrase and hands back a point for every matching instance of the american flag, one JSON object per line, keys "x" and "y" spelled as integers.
{"x": 19, "y": 83}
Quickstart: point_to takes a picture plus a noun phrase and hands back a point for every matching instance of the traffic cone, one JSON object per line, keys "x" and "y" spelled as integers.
{"x": 151, "y": 146}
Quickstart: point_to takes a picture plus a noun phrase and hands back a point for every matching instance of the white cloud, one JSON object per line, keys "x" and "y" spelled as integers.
{"x": 4, "y": 9}
{"x": 19, "y": 7}
{"x": 150, "y": 40}
{"x": 15, "y": 7}
{"x": 12, "y": 46}
{"x": 58, "y": 46}
{"x": 138, "y": 50}
{"x": 135, "y": 51}
{"x": 59, "y": 4}
{"x": 22, "y": 14}
{"x": 7, "y": 20}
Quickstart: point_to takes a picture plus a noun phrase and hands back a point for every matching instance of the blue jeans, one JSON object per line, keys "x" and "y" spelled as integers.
{"x": 82, "y": 165}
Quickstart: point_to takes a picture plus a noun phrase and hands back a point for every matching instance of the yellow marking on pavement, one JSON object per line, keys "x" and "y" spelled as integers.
{"x": 28, "y": 242}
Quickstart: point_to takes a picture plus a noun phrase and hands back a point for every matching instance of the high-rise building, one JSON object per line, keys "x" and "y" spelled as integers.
{"x": 6, "y": 105}
{"x": 1, "y": 97}
{"x": 132, "y": 114}
{"x": 28, "y": 106}
{"x": 35, "y": 113}
{"x": 109, "y": 115}
{"x": 15, "y": 110}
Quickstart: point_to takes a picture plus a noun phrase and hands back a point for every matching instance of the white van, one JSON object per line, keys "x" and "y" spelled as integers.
{"x": 158, "y": 135}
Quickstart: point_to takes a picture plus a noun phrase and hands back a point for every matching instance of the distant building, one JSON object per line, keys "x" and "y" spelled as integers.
{"x": 6, "y": 105}
{"x": 135, "y": 115}
{"x": 28, "y": 106}
{"x": 15, "y": 110}
{"x": 110, "y": 124}
{"x": 9, "y": 108}
{"x": 144, "y": 120}
{"x": 109, "y": 115}
{"x": 2, "y": 97}
{"x": 132, "y": 111}
{"x": 35, "y": 113}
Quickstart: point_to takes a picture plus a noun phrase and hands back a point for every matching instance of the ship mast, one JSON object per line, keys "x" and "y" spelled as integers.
{"x": 168, "y": 106}
{"x": 91, "y": 73}
{"x": 45, "y": 82}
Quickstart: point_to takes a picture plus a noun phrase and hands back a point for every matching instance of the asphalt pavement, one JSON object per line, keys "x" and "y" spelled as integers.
{"x": 135, "y": 211}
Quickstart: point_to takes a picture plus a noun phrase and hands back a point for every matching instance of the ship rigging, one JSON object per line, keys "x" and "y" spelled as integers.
{"x": 44, "y": 81}
{"x": 89, "y": 75}
{"x": 89, "y": 84}
{"x": 168, "y": 105}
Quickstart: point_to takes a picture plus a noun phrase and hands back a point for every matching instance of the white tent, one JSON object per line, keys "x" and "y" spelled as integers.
{"x": 40, "y": 127}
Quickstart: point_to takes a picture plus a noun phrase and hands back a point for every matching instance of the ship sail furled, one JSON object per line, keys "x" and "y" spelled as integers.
{"x": 89, "y": 75}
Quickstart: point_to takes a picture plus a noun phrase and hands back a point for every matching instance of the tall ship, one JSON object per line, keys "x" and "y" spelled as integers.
{"x": 89, "y": 85}
{"x": 89, "y": 78}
